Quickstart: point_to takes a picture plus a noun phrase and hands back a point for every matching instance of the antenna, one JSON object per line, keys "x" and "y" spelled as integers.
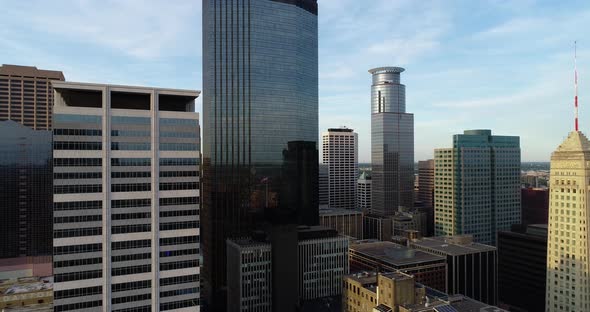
{"x": 575, "y": 87}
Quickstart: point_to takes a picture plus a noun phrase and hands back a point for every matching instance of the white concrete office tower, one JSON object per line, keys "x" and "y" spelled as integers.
{"x": 249, "y": 275}
{"x": 323, "y": 262}
{"x": 568, "y": 256}
{"x": 392, "y": 143}
{"x": 477, "y": 185}
{"x": 126, "y": 198}
{"x": 363, "y": 192}
{"x": 340, "y": 154}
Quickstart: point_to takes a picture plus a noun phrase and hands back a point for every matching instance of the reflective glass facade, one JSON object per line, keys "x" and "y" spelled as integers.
{"x": 392, "y": 143}
{"x": 25, "y": 196}
{"x": 260, "y": 79}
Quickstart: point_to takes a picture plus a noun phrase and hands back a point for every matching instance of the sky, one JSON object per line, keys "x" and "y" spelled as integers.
{"x": 489, "y": 64}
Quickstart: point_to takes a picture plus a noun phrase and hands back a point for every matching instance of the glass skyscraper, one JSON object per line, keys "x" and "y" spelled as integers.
{"x": 392, "y": 143}
{"x": 260, "y": 113}
{"x": 477, "y": 185}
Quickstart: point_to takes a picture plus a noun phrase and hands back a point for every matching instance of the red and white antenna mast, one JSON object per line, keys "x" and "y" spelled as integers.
{"x": 575, "y": 87}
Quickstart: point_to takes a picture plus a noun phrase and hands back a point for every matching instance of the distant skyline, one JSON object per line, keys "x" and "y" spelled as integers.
{"x": 500, "y": 65}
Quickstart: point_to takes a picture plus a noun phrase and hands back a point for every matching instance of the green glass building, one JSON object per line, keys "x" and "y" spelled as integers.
{"x": 477, "y": 185}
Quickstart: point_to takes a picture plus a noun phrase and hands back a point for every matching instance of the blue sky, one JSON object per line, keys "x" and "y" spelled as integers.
{"x": 502, "y": 65}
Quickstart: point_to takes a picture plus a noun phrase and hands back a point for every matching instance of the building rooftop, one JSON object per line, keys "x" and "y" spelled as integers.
{"x": 386, "y": 69}
{"x": 305, "y": 232}
{"x": 247, "y": 242}
{"x": 394, "y": 254}
{"x": 453, "y": 245}
{"x": 30, "y": 71}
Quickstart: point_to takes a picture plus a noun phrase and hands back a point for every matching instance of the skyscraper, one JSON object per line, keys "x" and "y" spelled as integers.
{"x": 426, "y": 191}
{"x": 340, "y": 154}
{"x": 392, "y": 143}
{"x": 260, "y": 80}
{"x": 126, "y": 198}
{"x": 568, "y": 256}
{"x": 26, "y": 95}
{"x": 477, "y": 185}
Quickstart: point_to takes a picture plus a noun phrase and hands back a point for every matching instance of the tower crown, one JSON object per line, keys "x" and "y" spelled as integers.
{"x": 575, "y": 142}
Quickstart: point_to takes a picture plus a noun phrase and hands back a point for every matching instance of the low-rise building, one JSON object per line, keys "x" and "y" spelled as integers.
{"x": 376, "y": 256}
{"x": 347, "y": 222}
{"x": 27, "y": 293}
{"x": 395, "y": 291}
{"x": 471, "y": 267}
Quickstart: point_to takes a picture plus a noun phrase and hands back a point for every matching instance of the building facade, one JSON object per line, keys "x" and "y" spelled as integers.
{"x": 535, "y": 205}
{"x": 477, "y": 185}
{"x": 346, "y": 221}
{"x": 363, "y": 192}
{"x": 324, "y": 193}
{"x": 251, "y": 59}
{"x": 425, "y": 193}
{"x": 340, "y": 154}
{"x": 522, "y": 267}
{"x": 26, "y": 95}
{"x": 25, "y": 181}
{"x": 568, "y": 255}
{"x": 392, "y": 143}
{"x": 249, "y": 278}
{"x": 471, "y": 267}
{"x": 126, "y": 198}
{"x": 323, "y": 262}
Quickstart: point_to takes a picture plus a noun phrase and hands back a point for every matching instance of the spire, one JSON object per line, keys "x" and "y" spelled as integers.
{"x": 575, "y": 88}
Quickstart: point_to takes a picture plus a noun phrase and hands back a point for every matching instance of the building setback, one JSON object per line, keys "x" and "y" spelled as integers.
{"x": 471, "y": 267}
{"x": 126, "y": 198}
{"x": 477, "y": 185}
{"x": 340, "y": 154}
{"x": 26, "y": 95}
{"x": 260, "y": 109}
{"x": 568, "y": 256}
{"x": 392, "y": 143}
{"x": 522, "y": 267}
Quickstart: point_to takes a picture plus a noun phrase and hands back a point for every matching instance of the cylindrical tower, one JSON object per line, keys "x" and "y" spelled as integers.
{"x": 388, "y": 95}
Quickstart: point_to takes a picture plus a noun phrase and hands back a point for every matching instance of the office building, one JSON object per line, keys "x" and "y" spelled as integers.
{"x": 396, "y": 291}
{"x": 26, "y": 95}
{"x": 324, "y": 193}
{"x": 568, "y": 283}
{"x": 477, "y": 185}
{"x": 522, "y": 267}
{"x": 323, "y": 262}
{"x": 260, "y": 80}
{"x": 249, "y": 278}
{"x": 535, "y": 205}
{"x": 414, "y": 220}
{"x": 25, "y": 181}
{"x": 340, "y": 155}
{"x": 374, "y": 256}
{"x": 392, "y": 143}
{"x": 425, "y": 193}
{"x": 126, "y": 198}
{"x": 347, "y": 222}
{"x": 471, "y": 267}
{"x": 377, "y": 227}
{"x": 363, "y": 192}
